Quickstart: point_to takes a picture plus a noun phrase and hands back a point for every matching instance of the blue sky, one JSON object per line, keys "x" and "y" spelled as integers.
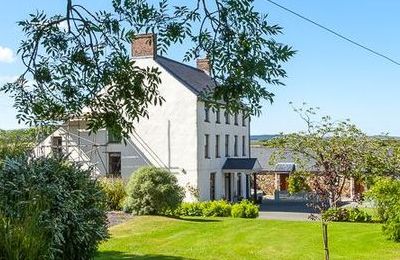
{"x": 344, "y": 80}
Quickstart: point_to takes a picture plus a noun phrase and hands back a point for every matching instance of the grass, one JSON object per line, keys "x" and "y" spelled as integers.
{"x": 151, "y": 237}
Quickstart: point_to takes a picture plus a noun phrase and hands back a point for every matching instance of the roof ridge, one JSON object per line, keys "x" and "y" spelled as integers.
{"x": 181, "y": 63}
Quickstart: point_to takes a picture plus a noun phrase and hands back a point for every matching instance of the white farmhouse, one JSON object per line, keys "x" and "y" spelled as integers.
{"x": 209, "y": 151}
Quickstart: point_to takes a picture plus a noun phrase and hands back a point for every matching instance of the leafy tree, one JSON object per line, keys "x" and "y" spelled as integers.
{"x": 385, "y": 193}
{"x": 85, "y": 70}
{"x": 17, "y": 142}
{"x": 330, "y": 153}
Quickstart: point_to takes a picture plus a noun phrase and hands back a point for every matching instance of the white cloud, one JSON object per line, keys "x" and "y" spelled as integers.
{"x": 63, "y": 26}
{"x": 7, "y": 79}
{"x": 6, "y": 55}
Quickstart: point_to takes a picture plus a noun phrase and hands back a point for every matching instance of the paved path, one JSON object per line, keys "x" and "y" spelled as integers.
{"x": 285, "y": 210}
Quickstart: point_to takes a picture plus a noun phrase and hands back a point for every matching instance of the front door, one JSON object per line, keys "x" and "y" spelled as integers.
{"x": 228, "y": 187}
{"x": 283, "y": 179}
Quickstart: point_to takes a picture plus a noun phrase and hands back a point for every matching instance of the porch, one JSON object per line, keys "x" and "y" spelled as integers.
{"x": 237, "y": 181}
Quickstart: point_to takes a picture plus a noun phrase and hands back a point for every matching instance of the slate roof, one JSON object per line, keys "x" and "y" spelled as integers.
{"x": 194, "y": 79}
{"x": 285, "y": 167}
{"x": 263, "y": 155}
{"x": 241, "y": 164}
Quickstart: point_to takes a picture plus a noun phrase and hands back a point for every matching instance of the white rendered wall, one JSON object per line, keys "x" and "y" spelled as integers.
{"x": 207, "y": 166}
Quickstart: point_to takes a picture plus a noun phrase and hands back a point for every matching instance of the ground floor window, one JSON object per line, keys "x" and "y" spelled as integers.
{"x": 212, "y": 186}
{"x": 114, "y": 164}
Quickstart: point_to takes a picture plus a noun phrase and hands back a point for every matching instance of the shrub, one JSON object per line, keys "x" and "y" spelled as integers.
{"x": 219, "y": 208}
{"x": 153, "y": 191}
{"x": 386, "y": 193}
{"x": 191, "y": 209}
{"x": 72, "y": 217}
{"x": 245, "y": 209}
{"x": 357, "y": 215}
{"x": 336, "y": 214}
{"x": 346, "y": 215}
{"x": 216, "y": 208}
{"x": 114, "y": 189}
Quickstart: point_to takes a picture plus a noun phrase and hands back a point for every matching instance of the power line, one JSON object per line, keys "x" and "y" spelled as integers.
{"x": 335, "y": 33}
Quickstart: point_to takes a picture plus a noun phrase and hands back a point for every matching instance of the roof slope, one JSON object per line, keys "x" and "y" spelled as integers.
{"x": 194, "y": 79}
{"x": 263, "y": 155}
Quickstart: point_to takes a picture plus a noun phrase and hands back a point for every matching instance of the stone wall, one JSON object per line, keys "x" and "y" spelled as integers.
{"x": 267, "y": 182}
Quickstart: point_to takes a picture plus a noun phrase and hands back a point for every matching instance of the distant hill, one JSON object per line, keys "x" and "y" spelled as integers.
{"x": 257, "y": 138}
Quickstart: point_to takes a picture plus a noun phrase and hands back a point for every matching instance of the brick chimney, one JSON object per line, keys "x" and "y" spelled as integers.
{"x": 204, "y": 65}
{"x": 144, "y": 45}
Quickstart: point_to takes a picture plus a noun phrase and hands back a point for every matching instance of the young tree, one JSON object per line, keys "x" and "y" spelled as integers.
{"x": 329, "y": 154}
{"x": 80, "y": 65}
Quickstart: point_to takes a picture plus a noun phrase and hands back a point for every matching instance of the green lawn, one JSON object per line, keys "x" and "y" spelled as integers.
{"x": 228, "y": 238}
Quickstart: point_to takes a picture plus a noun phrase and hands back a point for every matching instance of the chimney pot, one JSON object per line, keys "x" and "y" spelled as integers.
{"x": 204, "y": 65}
{"x": 144, "y": 45}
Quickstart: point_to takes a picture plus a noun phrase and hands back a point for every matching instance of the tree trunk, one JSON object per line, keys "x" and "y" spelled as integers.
{"x": 325, "y": 239}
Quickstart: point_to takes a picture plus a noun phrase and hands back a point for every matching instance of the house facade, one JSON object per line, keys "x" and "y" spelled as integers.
{"x": 208, "y": 150}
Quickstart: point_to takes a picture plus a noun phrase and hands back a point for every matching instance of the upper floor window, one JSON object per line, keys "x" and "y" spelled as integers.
{"x": 218, "y": 116}
{"x": 243, "y": 119}
{"x": 113, "y": 138}
{"x": 236, "y": 119}
{"x": 56, "y": 145}
{"x": 206, "y": 114}
{"x": 217, "y": 146}
{"x": 114, "y": 164}
{"x": 227, "y": 145}
{"x": 227, "y": 118}
{"x": 206, "y": 146}
{"x": 244, "y": 145}
{"x": 235, "y": 146}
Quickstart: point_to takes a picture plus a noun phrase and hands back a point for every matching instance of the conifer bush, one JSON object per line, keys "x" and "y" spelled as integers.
{"x": 50, "y": 206}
